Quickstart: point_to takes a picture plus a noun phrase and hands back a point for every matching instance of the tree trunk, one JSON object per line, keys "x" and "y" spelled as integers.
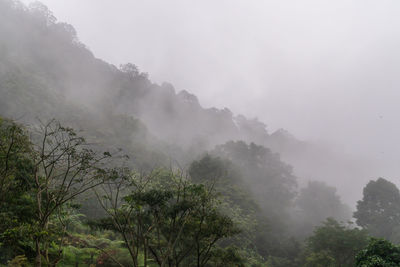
{"x": 145, "y": 253}
{"x": 38, "y": 259}
{"x": 46, "y": 243}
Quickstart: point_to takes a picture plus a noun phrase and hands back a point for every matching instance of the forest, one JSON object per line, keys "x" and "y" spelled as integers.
{"x": 99, "y": 166}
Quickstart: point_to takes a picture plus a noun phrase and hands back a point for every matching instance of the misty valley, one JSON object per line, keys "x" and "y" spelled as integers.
{"x": 101, "y": 166}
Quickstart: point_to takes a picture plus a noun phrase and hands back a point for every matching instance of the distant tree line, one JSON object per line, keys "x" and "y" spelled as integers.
{"x": 207, "y": 217}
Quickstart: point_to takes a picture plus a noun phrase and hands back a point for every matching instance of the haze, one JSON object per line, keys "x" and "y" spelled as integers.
{"x": 325, "y": 70}
{"x": 199, "y": 133}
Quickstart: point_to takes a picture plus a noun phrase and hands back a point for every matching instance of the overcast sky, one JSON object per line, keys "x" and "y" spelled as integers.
{"x": 324, "y": 70}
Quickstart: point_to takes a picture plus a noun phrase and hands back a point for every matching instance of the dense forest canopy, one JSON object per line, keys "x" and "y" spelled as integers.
{"x": 99, "y": 166}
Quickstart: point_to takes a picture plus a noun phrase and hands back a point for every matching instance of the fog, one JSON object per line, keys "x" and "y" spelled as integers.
{"x": 225, "y": 133}
{"x": 327, "y": 71}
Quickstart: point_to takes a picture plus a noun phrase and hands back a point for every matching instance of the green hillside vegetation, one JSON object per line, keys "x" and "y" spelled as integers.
{"x": 99, "y": 166}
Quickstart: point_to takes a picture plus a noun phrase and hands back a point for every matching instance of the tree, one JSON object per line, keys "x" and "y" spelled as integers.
{"x": 270, "y": 179}
{"x": 379, "y": 210}
{"x": 165, "y": 217}
{"x": 334, "y": 244}
{"x": 316, "y": 202}
{"x": 238, "y": 202}
{"x": 272, "y": 186}
{"x": 65, "y": 167}
{"x": 225, "y": 178}
{"x": 15, "y": 159}
{"x": 130, "y": 69}
{"x": 229, "y": 256}
{"x": 209, "y": 169}
{"x": 16, "y": 181}
{"x": 379, "y": 253}
{"x": 320, "y": 259}
{"x": 42, "y": 12}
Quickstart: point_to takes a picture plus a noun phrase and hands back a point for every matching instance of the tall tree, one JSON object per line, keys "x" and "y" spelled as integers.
{"x": 334, "y": 245}
{"x": 272, "y": 186}
{"x": 165, "y": 217}
{"x": 315, "y": 203}
{"x": 270, "y": 179}
{"x": 16, "y": 164}
{"x": 379, "y": 210}
{"x": 16, "y": 181}
{"x": 65, "y": 167}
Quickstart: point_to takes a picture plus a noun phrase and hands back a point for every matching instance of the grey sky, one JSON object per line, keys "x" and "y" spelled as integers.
{"x": 324, "y": 70}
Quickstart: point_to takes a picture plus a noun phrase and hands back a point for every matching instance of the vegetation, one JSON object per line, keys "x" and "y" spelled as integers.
{"x": 379, "y": 253}
{"x": 379, "y": 210}
{"x": 316, "y": 202}
{"x": 334, "y": 244}
{"x": 165, "y": 217}
{"x": 123, "y": 177}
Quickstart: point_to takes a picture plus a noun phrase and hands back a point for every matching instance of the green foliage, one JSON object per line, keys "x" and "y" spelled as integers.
{"x": 226, "y": 179}
{"x": 379, "y": 253}
{"x": 19, "y": 261}
{"x": 169, "y": 218}
{"x": 229, "y": 256}
{"x": 379, "y": 210}
{"x": 279, "y": 262}
{"x": 334, "y": 244}
{"x": 240, "y": 199}
{"x": 65, "y": 167}
{"x": 16, "y": 165}
{"x": 320, "y": 259}
{"x": 271, "y": 185}
{"x": 16, "y": 179}
{"x": 270, "y": 180}
{"x": 209, "y": 169}
{"x": 315, "y": 203}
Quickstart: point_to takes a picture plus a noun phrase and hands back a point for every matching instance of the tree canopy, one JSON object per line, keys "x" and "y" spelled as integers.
{"x": 379, "y": 210}
{"x": 334, "y": 244}
{"x": 379, "y": 253}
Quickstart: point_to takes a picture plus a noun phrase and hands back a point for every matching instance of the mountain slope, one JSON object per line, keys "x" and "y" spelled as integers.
{"x": 46, "y": 72}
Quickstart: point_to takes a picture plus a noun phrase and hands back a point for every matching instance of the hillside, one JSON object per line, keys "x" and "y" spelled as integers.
{"x": 46, "y": 72}
{"x": 114, "y": 168}
{"x": 44, "y": 69}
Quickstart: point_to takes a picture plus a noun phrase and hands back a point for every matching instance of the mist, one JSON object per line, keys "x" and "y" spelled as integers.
{"x": 292, "y": 64}
{"x": 325, "y": 71}
{"x": 199, "y": 134}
